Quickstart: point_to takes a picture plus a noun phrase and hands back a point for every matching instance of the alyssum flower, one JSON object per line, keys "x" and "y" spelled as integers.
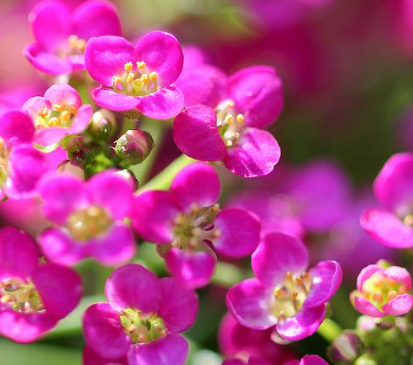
{"x": 231, "y": 131}
{"x": 284, "y": 295}
{"x": 392, "y": 225}
{"x": 189, "y": 227}
{"x": 88, "y": 218}
{"x": 138, "y": 77}
{"x": 383, "y": 290}
{"x": 62, "y": 33}
{"x": 306, "y": 360}
{"x": 143, "y": 319}
{"x": 33, "y": 296}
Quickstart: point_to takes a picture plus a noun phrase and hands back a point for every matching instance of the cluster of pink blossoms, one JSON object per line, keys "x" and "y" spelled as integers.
{"x": 75, "y": 150}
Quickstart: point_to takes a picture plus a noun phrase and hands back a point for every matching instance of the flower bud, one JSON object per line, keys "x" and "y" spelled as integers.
{"x": 71, "y": 168}
{"x": 346, "y": 348}
{"x": 133, "y": 147}
{"x": 103, "y": 124}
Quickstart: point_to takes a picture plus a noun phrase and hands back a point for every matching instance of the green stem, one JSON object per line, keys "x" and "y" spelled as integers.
{"x": 163, "y": 180}
{"x": 329, "y": 330}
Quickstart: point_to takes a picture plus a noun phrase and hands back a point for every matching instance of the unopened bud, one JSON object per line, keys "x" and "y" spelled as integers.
{"x": 346, "y": 348}
{"x": 71, "y": 168}
{"x": 133, "y": 147}
{"x": 103, "y": 124}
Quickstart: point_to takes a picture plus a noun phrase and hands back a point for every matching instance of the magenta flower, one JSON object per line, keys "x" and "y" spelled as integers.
{"x": 58, "y": 114}
{"x": 189, "y": 227}
{"x": 251, "y": 361}
{"x": 92, "y": 358}
{"x": 308, "y": 360}
{"x": 283, "y": 294}
{"x": 61, "y": 33}
{"x": 143, "y": 319}
{"x": 138, "y": 77}
{"x": 88, "y": 217}
{"x": 232, "y": 132}
{"x": 33, "y": 296}
{"x": 18, "y": 178}
{"x": 392, "y": 225}
{"x": 382, "y": 291}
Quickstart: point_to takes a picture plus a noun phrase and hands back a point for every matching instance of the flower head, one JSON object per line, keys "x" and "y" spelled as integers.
{"x": 33, "y": 296}
{"x": 58, "y": 114}
{"x": 137, "y": 77}
{"x": 230, "y": 130}
{"x": 392, "y": 225}
{"x": 284, "y": 294}
{"x": 383, "y": 290}
{"x": 61, "y": 33}
{"x": 189, "y": 227}
{"x": 143, "y": 318}
{"x": 88, "y": 217}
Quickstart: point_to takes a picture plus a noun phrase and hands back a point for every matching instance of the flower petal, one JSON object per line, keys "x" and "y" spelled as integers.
{"x": 16, "y": 127}
{"x": 59, "y": 287}
{"x": 82, "y": 119}
{"x": 107, "y": 98}
{"x": 326, "y": 279}
{"x": 90, "y": 357}
{"x": 133, "y": 286}
{"x": 399, "y": 274}
{"x": 366, "y": 308}
{"x": 386, "y": 228}
{"x": 250, "y": 303}
{"x": 197, "y": 184}
{"x": 50, "y": 136}
{"x": 46, "y": 62}
{"x": 95, "y": 18}
{"x": 104, "y": 333}
{"x": 365, "y": 274}
{"x": 179, "y": 305}
{"x": 196, "y": 134}
{"x": 399, "y": 306}
{"x": 106, "y": 56}
{"x": 116, "y": 247}
{"x": 153, "y": 216}
{"x": 63, "y": 94}
{"x": 256, "y": 154}
{"x": 257, "y": 93}
{"x": 276, "y": 255}
{"x": 239, "y": 233}
{"x": 19, "y": 256}
{"x": 162, "y": 53}
{"x": 303, "y": 324}
{"x": 170, "y": 350}
{"x": 163, "y": 104}
{"x": 313, "y": 360}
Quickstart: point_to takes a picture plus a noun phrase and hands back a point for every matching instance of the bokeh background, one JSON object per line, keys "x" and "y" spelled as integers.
{"x": 347, "y": 69}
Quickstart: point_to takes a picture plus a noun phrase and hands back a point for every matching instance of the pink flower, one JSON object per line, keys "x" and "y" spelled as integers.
{"x": 392, "y": 225}
{"x": 306, "y": 360}
{"x": 88, "y": 217}
{"x": 283, "y": 294}
{"x": 18, "y": 178}
{"x": 189, "y": 227}
{"x": 231, "y": 131}
{"x": 138, "y": 77}
{"x": 143, "y": 319}
{"x": 92, "y": 358}
{"x": 58, "y": 114}
{"x": 62, "y": 33}
{"x": 33, "y": 296}
{"x": 382, "y": 290}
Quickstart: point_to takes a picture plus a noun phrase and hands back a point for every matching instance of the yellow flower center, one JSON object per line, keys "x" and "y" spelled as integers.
{"x": 4, "y": 163}
{"x": 21, "y": 297}
{"x": 58, "y": 116}
{"x": 230, "y": 124}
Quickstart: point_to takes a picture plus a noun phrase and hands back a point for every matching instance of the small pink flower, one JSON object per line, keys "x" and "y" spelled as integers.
{"x": 58, "y": 114}
{"x": 143, "y": 319}
{"x": 383, "y": 290}
{"x": 138, "y": 77}
{"x": 392, "y": 225}
{"x": 88, "y": 218}
{"x": 284, "y": 296}
{"x": 228, "y": 125}
{"x": 33, "y": 296}
{"x": 62, "y": 33}
{"x": 308, "y": 360}
{"x": 189, "y": 227}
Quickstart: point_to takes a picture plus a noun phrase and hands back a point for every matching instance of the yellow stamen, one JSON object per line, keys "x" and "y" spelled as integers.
{"x": 65, "y": 116}
{"x": 144, "y": 78}
{"x": 153, "y": 76}
{"x": 240, "y": 118}
{"x": 391, "y": 295}
{"x": 228, "y": 119}
{"x": 116, "y": 80}
{"x": 128, "y": 66}
{"x": 57, "y": 107}
{"x": 54, "y": 122}
{"x": 130, "y": 78}
{"x": 141, "y": 65}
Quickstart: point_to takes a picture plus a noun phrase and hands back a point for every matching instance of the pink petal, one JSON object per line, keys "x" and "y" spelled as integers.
{"x": 82, "y": 119}
{"x": 63, "y": 94}
{"x": 35, "y": 105}
{"x": 250, "y": 303}
{"x": 16, "y": 127}
{"x": 398, "y": 306}
{"x": 50, "y": 136}
{"x": 196, "y": 134}
{"x": 46, "y": 62}
{"x": 180, "y": 305}
{"x": 256, "y": 154}
{"x": 107, "y": 98}
{"x": 365, "y": 274}
{"x": 276, "y": 255}
{"x": 366, "y": 308}
{"x": 399, "y": 274}
{"x": 170, "y": 350}
{"x": 313, "y": 360}
{"x": 133, "y": 286}
{"x": 197, "y": 184}
{"x": 162, "y": 53}
{"x": 163, "y": 104}
{"x": 92, "y": 358}
{"x": 239, "y": 233}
